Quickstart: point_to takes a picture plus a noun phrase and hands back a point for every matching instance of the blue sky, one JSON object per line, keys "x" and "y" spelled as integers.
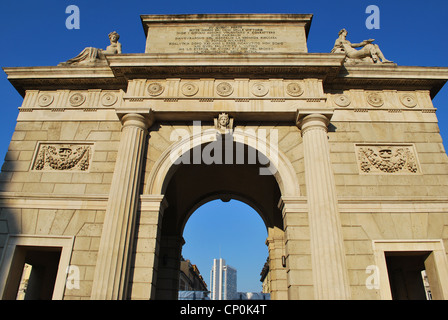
{"x": 33, "y": 33}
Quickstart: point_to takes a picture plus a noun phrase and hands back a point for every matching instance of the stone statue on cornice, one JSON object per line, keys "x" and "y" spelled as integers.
{"x": 91, "y": 56}
{"x": 369, "y": 52}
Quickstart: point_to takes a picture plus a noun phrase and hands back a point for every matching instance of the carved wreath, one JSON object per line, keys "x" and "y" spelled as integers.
{"x": 259, "y": 89}
{"x": 389, "y": 160}
{"x": 63, "y": 158}
{"x": 375, "y": 99}
{"x": 224, "y": 89}
{"x": 294, "y": 89}
{"x": 77, "y": 99}
{"x": 155, "y": 89}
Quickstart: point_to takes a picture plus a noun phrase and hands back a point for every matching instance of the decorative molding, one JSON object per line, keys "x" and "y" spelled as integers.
{"x": 45, "y": 100}
{"x": 387, "y": 159}
{"x": 294, "y": 89}
{"x": 259, "y": 89}
{"x": 190, "y": 89}
{"x": 224, "y": 89}
{"x": 155, "y": 89}
{"x": 109, "y": 99}
{"x": 375, "y": 99}
{"x": 342, "y": 100}
{"x": 77, "y": 99}
{"x": 68, "y": 100}
{"x": 408, "y": 100}
{"x": 62, "y": 157}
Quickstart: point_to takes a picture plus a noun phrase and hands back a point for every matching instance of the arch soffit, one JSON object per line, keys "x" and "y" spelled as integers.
{"x": 218, "y": 196}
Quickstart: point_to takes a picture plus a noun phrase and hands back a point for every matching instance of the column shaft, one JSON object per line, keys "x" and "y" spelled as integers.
{"x": 327, "y": 248}
{"x": 110, "y": 278}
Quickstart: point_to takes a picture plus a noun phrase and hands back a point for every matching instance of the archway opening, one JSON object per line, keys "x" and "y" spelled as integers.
{"x": 232, "y": 231}
{"x": 189, "y": 185}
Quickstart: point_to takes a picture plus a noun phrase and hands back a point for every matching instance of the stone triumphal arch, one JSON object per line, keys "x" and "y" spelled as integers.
{"x": 338, "y": 152}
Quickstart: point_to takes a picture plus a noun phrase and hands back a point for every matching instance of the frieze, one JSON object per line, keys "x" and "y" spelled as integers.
{"x": 387, "y": 159}
{"x": 66, "y": 99}
{"x": 381, "y": 100}
{"x": 62, "y": 157}
{"x": 234, "y": 89}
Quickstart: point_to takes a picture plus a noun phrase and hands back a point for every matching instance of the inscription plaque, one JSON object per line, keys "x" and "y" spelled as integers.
{"x": 226, "y": 37}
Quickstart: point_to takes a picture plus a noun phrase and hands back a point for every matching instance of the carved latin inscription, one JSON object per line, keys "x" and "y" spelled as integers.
{"x": 387, "y": 159}
{"x": 63, "y": 157}
{"x": 226, "y": 39}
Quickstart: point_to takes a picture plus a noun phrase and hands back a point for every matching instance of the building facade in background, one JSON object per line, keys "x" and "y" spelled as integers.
{"x": 339, "y": 152}
{"x": 190, "y": 279}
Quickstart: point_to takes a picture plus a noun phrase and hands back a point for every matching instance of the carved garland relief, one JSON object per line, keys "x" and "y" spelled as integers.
{"x": 387, "y": 159}
{"x": 62, "y": 157}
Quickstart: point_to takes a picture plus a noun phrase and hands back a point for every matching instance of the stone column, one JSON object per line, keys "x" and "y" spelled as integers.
{"x": 326, "y": 241}
{"x": 111, "y": 272}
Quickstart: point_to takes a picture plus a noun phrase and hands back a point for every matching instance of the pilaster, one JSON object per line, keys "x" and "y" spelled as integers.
{"x": 277, "y": 268}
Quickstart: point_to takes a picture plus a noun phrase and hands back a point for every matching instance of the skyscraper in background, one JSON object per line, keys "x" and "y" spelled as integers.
{"x": 222, "y": 281}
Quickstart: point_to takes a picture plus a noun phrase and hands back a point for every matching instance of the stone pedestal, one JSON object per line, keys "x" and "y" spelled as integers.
{"x": 110, "y": 278}
{"x": 327, "y": 248}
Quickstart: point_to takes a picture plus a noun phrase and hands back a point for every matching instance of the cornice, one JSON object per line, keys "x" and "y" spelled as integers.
{"x": 58, "y": 77}
{"x": 390, "y": 76}
{"x": 326, "y": 66}
{"x": 311, "y": 65}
